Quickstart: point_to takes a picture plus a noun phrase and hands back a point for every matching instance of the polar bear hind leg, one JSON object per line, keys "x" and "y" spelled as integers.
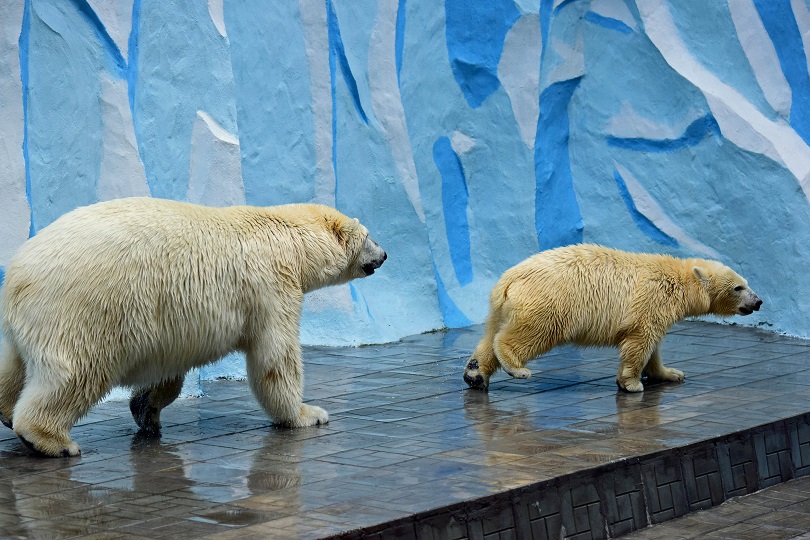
{"x": 50, "y": 404}
{"x": 517, "y": 343}
{"x": 482, "y": 364}
{"x": 635, "y": 350}
{"x": 147, "y": 402}
{"x": 510, "y": 340}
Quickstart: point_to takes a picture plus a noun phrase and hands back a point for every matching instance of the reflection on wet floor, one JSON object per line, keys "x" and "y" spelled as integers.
{"x": 405, "y": 436}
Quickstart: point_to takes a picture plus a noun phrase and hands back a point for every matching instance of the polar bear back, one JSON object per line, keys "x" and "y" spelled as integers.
{"x": 590, "y": 294}
{"x": 160, "y": 286}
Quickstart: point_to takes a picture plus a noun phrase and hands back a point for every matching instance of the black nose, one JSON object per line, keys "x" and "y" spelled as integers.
{"x": 757, "y": 304}
{"x": 385, "y": 257}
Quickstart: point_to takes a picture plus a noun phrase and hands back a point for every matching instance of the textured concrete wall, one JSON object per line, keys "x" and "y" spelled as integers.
{"x": 465, "y": 134}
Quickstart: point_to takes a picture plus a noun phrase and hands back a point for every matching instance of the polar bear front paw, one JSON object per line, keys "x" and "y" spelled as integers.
{"x": 312, "y": 416}
{"x": 473, "y": 376}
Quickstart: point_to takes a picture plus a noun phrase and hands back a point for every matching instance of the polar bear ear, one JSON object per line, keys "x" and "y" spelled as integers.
{"x": 701, "y": 274}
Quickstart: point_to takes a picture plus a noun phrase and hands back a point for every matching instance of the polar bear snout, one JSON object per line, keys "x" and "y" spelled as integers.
{"x": 372, "y": 256}
{"x": 751, "y": 303}
{"x": 370, "y": 267}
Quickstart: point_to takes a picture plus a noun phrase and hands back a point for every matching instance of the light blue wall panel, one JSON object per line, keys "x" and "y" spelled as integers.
{"x": 183, "y": 66}
{"x": 465, "y": 135}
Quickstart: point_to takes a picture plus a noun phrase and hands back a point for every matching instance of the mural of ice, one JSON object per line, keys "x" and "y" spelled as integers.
{"x": 467, "y": 135}
{"x": 14, "y": 208}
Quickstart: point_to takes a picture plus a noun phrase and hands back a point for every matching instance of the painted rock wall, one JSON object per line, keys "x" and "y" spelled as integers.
{"x": 465, "y": 134}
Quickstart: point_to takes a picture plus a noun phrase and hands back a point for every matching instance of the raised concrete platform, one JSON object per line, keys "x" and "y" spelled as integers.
{"x": 778, "y": 512}
{"x": 410, "y": 452}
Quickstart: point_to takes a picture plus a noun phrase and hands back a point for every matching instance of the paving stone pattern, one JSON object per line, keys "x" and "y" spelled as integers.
{"x": 410, "y": 452}
{"x": 776, "y": 513}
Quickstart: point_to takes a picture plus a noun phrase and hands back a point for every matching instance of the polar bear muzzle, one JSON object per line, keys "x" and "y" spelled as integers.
{"x": 372, "y": 256}
{"x": 752, "y": 302}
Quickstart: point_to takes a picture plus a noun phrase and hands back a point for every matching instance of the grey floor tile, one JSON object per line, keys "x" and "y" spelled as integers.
{"x": 407, "y": 436}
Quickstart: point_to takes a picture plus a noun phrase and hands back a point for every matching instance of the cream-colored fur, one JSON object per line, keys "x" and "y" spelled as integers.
{"x": 591, "y": 295}
{"x": 136, "y": 292}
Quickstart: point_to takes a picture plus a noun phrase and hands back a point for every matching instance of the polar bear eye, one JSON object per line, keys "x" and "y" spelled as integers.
{"x": 738, "y": 288}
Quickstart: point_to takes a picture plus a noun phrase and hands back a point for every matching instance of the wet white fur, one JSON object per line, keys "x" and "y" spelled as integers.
{"x": 138, "y": 291}
{"x": 590, "y": 295}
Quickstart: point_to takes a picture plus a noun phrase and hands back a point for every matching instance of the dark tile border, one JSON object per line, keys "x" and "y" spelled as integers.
{"x": 620, "y": 497}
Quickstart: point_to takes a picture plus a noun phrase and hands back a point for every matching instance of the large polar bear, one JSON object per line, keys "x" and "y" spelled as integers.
{"x": 595, "y": 296}
{"x": 136, "y": 292}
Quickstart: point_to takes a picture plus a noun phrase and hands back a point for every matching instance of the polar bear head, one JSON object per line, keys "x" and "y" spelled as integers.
{"x": 365, "y": 254}
{"x": 728, "y": 292}
{"x": 341, "y": 249}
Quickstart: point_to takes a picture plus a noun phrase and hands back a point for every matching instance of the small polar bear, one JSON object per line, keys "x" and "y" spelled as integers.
{"x": 591, "y": 295}
{"x": 136, "y": 292}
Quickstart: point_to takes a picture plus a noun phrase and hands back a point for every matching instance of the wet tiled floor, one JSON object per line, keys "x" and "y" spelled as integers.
{"x": 405, "y": 436}
{"x": 775, "y": 513}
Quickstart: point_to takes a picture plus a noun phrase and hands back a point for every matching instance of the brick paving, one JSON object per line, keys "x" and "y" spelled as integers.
{"x": 407, "y": 438}
{"x": 775, "y": 513}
